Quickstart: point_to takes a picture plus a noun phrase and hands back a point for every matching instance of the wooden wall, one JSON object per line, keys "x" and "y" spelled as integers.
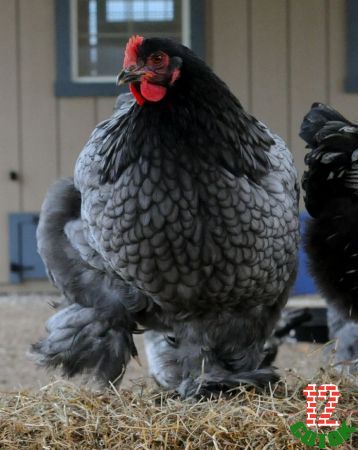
{"x": 278, "y": 56}
{"x": 40, "y": 135}
{"x": 281, "y": 55}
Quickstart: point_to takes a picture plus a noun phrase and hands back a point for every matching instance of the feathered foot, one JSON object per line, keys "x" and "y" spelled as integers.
{"x": 80, "y": 339}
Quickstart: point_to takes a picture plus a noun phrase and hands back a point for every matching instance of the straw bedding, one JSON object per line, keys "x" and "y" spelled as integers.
{"x": 64, "y": 416}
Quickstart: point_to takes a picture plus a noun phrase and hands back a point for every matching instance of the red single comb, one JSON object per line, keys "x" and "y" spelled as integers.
{"x": 131, "y": 51}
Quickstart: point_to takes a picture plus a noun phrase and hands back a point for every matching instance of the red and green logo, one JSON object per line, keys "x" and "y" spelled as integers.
{"x": 302, "y": 430}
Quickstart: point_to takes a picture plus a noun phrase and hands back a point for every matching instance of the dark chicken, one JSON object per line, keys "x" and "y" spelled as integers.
{"x": 331, "y": 197}
{"x": 182, "y": 219}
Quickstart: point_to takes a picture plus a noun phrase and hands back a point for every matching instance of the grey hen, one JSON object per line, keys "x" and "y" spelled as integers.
{"x": 182, "y": 219}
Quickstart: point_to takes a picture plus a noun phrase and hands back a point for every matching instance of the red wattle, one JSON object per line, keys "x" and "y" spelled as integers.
{"x": 152, "y": 92}
{"x": 136, "y": 94}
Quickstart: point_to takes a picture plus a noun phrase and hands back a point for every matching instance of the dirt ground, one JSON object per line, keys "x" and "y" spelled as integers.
{"x": 22, "y": 319}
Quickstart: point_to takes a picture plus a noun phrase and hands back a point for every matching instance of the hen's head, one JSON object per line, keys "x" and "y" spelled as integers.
{"x": 168, "y": 79}
{"x": 152, "y": 67}
{"x": 209, "y": 355}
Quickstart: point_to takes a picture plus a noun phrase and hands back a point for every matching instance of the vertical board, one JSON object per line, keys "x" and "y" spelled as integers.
{"x": 38, "y": 108}
{"x": 308, "y": 65}
{"x": 269, "y": 68}
{"x": 344, "y": 102}
{"x": 77, "y": 118}
{"x": 104, "y": 108}
{"x": 229, "y": 51}
{"x": 9, "y": 156}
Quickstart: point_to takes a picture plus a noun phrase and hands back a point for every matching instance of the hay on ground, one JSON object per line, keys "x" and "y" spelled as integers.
{"x": 64, "y": 416}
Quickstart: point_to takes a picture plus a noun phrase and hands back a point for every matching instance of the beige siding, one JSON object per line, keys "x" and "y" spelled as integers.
{"x": 346, "y": 102}
{"x": 308, "y": 64}
{"x": 278, "y": 56}
{"x": 104, "y": 108}
{"x": 269, "y": 62}
{"x": 9, "y": 122}
{"x": 38, "y": 106}
{"x": 76, "y": 119}
{"x": 230, "y": 45}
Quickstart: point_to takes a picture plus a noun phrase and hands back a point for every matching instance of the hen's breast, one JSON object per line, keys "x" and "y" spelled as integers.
{"x": 188, "y": 232}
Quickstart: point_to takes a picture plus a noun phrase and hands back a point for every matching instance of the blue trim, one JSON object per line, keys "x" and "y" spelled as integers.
{"x": 351, "y": 84}
{"x": 197, "y": 27}
{"x": 304, "y": 283}
{"x": 66, "y": 87}
{"x": 14, "y": 247}
{"x": 25, "y": 262}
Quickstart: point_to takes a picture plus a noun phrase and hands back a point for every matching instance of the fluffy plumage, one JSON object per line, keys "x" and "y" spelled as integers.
{"x": 331, "y": 187}
{"x": 182, "y": 218}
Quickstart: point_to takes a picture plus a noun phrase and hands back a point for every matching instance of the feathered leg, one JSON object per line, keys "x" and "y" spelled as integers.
{"x": 215, "y": 353}
{"x": 345, "y": 333}
{"x": 94, "y": 331}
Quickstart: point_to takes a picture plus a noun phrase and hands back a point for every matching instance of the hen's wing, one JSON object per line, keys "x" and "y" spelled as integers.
{"x": 95, "y": 330}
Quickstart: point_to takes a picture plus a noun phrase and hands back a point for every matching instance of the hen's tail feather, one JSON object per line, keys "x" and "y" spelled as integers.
{"x": 316, "y": 119}
{"x": 331, "y": 163}
{"x": 67, "y": 270}
{"x": 95, "y": 331}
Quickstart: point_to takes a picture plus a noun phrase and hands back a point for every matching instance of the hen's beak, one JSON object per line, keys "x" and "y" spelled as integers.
{"x": 130, "y": 75}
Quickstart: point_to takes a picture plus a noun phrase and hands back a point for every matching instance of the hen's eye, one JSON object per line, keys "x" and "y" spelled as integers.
{"x": 157, "y": 58}
{"x": 171, "y": 340}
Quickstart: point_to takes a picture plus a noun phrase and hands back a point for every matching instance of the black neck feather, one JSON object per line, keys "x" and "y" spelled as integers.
{"x": 200, "y": 116}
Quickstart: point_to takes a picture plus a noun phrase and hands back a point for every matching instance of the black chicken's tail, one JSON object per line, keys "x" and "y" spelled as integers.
{"x": 92, "y": 332}
{"x": 320, "y": 122}
{"x": 332, "y": 162}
